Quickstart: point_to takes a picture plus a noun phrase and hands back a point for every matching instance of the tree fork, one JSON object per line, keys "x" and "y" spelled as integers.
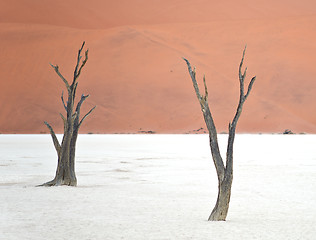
{"x": 224, "y": 172}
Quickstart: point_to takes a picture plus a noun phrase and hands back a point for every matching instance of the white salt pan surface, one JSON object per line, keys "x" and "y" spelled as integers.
{"x": 158, "y": 187}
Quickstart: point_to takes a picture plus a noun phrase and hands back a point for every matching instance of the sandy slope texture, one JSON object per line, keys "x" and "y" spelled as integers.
{"x": 135, "y": 74}
{"x": 158, "y": 187}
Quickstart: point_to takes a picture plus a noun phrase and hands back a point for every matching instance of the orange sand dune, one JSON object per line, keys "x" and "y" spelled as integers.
{"x": 135, "y": 74}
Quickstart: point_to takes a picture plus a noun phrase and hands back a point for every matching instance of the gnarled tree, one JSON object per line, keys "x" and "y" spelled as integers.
{"x": 65, "y": 173}
{"x": 224, "y": 172}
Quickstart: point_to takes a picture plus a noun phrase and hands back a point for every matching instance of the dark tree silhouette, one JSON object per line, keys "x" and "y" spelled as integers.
{"x": 224, "y": 172}
{"x": 65, "y": 173}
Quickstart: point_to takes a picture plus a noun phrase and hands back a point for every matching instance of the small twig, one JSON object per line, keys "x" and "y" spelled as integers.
{"x": 64, "y": 121}
{"x": 78, "y": 60}
{"x": 205, "y": 88}
{"x": 77, "y": 68}
{"x": 241, "y": 63}
{"x": 62, "y": 116}
{"x": 83, "y": 98}
{"x": 62, "y": 99}
{"x": 61, "y": 76}
{"x": 250, "y": 87}
{"x": 195, "y": 84}
{"x": 83, "y": 62}
{"x": 88, "y": 113}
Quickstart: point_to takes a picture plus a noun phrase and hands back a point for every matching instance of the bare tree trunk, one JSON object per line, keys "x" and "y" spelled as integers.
{"x": 224, "y": 172}
{"x": 220, "y": 210}
{"x": 65, "y": 173}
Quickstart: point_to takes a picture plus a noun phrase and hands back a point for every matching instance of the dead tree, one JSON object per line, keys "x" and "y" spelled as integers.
{"x": 224, "y": 172}
{"x": 65, "y": 173}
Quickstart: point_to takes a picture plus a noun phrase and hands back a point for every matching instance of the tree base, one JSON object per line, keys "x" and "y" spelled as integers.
{"x": 218, "y": 215}
{"x": 220, "y": 210}
{"x": 61, "y": 182}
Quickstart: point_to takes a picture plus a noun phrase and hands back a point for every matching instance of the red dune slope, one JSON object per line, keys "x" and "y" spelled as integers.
{"x": 135, "y": 73}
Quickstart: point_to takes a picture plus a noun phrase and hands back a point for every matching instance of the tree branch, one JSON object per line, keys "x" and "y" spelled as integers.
{"x": 233, "y": 125}
{"x": 250, "y": 87}
{"x": 217, "y": 159}
{"x": 83, "y": 62}
{"x": 63, "y": 118}
{"x": 61, "y": 76}
{"x": 88, "y": 113}
{"x": 83, "y": 98}
{"x": 78, "y": 59}
{"x": 62, "y": 99}
{"x": 205, "y": 89}
{"x": 55, "y": 140}
{"x": 241, "y": 63}
{"x": 74, "y": 91}
{"x": 64, "y": 121}
{"x": 77, "y": 68}
{"x": 195, "y": 85}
